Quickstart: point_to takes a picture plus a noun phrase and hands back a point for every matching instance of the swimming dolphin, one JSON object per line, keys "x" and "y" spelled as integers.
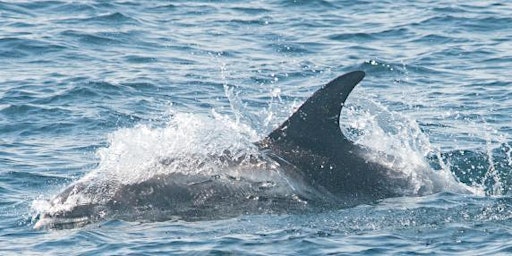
{"x": 305, "y": 161}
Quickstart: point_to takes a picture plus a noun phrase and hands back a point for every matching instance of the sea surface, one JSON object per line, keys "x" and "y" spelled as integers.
{"x": 110, "y": 85}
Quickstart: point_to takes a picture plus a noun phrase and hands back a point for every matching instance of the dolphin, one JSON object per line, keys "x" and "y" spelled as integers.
{"x": 306, "y": 163}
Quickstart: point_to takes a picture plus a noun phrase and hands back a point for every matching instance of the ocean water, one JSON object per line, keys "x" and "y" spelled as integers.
{"x": 103, "y": 88}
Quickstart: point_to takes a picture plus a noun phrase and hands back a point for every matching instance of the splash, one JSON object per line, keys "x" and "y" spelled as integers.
{"x": 403, "y": 147}
{"x": 135, "y": 154}
{"x": 488, "y": 167}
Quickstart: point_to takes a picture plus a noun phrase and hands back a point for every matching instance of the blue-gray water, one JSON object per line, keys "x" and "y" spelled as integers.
{"x": 89, "y": 84}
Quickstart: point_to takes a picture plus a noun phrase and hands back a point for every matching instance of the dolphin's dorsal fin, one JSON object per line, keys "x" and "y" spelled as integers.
{"x": 317, "y": 120}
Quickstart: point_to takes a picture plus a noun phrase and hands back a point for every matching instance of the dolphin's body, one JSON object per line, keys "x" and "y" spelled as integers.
{"x": 305, "y": 162}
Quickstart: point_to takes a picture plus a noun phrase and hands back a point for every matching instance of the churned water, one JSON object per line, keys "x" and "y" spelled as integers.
{"x": 103, "y": 88}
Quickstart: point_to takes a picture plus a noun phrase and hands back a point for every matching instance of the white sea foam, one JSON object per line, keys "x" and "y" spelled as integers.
{"x": 135, "y": 154}
{"x": 398, "y": 142}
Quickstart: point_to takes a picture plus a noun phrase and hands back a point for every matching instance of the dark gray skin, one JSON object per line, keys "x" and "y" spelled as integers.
{"x": 323, "y": 166}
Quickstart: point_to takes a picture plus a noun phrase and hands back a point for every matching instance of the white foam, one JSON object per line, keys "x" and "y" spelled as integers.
{"x": 138, "y": 153}
{"x": 398, "y": 142}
